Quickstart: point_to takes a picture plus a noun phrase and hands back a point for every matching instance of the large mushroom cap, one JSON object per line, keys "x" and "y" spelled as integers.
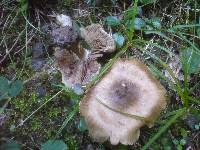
{"x": 127, "y": 98}
{"x": 97, "y": 38}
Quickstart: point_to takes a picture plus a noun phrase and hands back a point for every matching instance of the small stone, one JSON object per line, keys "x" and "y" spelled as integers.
{"x": 41, "y": 91}
{"x": 38, "y": 63}
{"x": 38, "y": 50}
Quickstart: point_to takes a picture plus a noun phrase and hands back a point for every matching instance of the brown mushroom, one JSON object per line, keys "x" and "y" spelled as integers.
{"x": 63, "y": 35}
{"x": 75, "y": 69}
{"x": 97, "y": 38}
{"x": 125, "y": 99}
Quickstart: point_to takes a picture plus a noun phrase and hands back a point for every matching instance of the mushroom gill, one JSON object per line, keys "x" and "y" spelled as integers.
{"x": 125, "y": 99}
{"x": 97, "y": 38}
{"x": 75, "y": 69}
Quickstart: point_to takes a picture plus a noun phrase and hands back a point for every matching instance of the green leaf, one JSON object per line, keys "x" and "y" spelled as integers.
{"x": 182, "y": 141}
{"x": 15, "y": 88}
{"x": 112, "y": 21}
{"x": 145, "y": 2}
{"x": 1, "y": 110}
{"x": 54, "y": 145}
{"x": 196, "y": 127}
{"x": 191, "y": 59}
{"x": 12, "y": 145}
{"x": 198, "y": 31}
{"x": 4, "y": 85}
{"x": 119, "y": 39}
{"x": 138, "y": 24}
{"x": 128, "y": 15}
{"x": 156, "y": 23}
{"x": 82, "y": 125}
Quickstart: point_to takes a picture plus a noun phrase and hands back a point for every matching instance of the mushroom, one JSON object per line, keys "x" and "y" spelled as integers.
{"x": 98, "y": 39}
{"x": 75, "y": 69}
{"x": 63, "y": 35}
{"x": 125, "y": 99}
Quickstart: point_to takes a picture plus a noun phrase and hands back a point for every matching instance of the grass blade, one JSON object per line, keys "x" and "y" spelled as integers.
{"x": 164, "y": 128}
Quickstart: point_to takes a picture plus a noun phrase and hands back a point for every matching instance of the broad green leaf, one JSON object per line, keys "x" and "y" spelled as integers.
{"x": 191, "y": 59}
{"x": 4, "y": 96}
{"x": 82, "y": 125}
{"x": 15, "y": 88}
{"x": 156, "y": 23}
{"x": 119, "y": 39}
{"x": 12, "y": 145}
{"x": 139, "y": 23}
{"x": 183, "y": 142}
{"x": 112, "y": 21}
{"x": 54, "y": 145}
{"x": 4, "y": 85}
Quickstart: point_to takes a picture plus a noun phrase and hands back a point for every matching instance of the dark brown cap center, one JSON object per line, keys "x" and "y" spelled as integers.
{"x": 124, "y": 93}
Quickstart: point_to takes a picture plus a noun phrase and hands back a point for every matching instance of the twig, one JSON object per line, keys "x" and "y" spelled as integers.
{"x": 7, "y": 53}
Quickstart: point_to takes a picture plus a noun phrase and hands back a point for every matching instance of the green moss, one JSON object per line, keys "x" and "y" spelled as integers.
{"x": 36, "y": 124}
{"x": 71, "y": 142}
{"x": 54, "y": 112}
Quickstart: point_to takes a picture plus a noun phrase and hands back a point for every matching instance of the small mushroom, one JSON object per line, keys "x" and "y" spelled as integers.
{"x": 97, "y": 38}
{"x": 63, "y": 20}
{"x": 125, "y": 99}
{"x": 63, "y": 35}
{"x": 75, "y": 69}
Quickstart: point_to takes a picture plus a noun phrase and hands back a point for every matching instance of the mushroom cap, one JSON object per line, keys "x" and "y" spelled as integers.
{"x": 63, "y": 20}
{"x": 97, "y": 38}
{"x": 64, "y": 35}
{"x": 127, "y": 90}
{"x": 75, "y": 70}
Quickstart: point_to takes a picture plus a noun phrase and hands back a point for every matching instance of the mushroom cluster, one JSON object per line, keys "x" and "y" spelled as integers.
{"x": 75, "y": 69}
{"x": 125, "y": 99}
{"x": 77, "y": 64}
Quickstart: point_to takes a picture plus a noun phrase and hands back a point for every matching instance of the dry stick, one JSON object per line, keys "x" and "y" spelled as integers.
{"x": 7, "y": 53}
{"x": 25, "y": 45}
